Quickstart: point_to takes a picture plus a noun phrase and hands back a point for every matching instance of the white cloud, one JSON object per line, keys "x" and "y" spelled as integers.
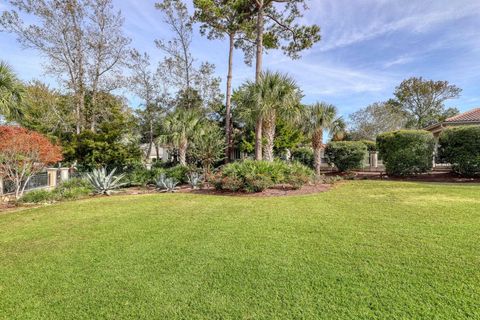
{"x": 345, "y": 23}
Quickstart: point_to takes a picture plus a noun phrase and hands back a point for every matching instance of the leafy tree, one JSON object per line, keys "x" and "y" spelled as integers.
{"x": 24, "y": 153}
{"x": 374, "y": 119}
{"x": 11, "y": 92}
{"x": 276, "y": 28}
{"x": 274, "y": 95}
{"x": 112, "y": 145}
{"x": 287, "y": 137}
{"x": 229, "y": 19}
{"x": 179, "y": 129}
{"x": 83, "y": 41}
{"x": 423, "y": 101}
{"x": 318, "y": 118}
{"x": 178, "y": 68}
{"x": 46, "y": 110}
{"x": 146, "y": 85}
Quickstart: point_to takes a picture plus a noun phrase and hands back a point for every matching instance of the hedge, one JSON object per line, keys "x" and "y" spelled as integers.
{"x": 406, "y": 152}
{"x": 346, "y": 155}
{"x": 460, "y": 146}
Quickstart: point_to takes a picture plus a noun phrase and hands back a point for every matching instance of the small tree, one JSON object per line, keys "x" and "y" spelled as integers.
{"x": 24, "y": 153}
{"x": 208, "y": 146}
{"x": 406, "y": 152}
{"x": 346, "y": 155}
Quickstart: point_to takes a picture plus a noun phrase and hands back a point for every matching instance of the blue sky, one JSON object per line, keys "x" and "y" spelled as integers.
{"x": 368, "y": 47}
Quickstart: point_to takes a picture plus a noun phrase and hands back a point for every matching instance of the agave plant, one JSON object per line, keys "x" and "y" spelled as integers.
{"x": 195, "y": 180}
{"x": 104, "y": 183}
{"x": 166, "y": 184}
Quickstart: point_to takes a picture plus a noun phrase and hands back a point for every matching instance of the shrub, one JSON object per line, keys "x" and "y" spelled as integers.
{"x": 178, "y": 172}
{"x": 139, "y": 176}
{"x": 406, "y": 152}
{"x": 304, "y": 156}
{"x": 461, "y": 147}
{"x": 37, "y": 196}
{"x": 72, "y": 189}
{"x": 371, "y": 145}
{"x": 257, "y": 182}
{"x": 297, "y": 175}
{"x": 256, "y": 176}
{"x": 346, "y": 155}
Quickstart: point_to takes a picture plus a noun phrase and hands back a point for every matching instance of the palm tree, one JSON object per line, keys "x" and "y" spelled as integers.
{"x": 274, "y": 95}
{"x": 318, "y": 118}
{"x": 10, "y": 92}
{"x": 208, "y": 146}
{"x": 179, "y": 129}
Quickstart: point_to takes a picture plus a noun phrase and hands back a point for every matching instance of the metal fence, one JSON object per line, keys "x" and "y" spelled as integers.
{"x": 39, "y": 180}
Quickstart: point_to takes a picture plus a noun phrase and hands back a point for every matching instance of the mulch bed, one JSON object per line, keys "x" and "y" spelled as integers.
{"x": 277, "y": 191}
{"x": 280, "y": 190}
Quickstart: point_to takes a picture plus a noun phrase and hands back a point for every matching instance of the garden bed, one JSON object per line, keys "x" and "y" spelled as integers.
{"x": 279, "y": 190}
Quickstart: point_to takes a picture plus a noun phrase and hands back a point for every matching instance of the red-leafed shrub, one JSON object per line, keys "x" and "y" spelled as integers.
{"x": 24, "y": 153}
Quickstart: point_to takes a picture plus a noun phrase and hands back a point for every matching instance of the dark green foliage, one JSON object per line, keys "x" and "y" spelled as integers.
{"x": 346, "y": 155}
{"x": 141, "y": 176}
{"x": 178, "y": 172}
{"x": 406, "y": 152}
{"x": 371, "y": 145}
{"x": 256, "y": 176}
{"x": 93, "y": 150}
{"x": 304, "y": 156}
{"x": 287, "y": 136}
{"x": 461, "y": 147}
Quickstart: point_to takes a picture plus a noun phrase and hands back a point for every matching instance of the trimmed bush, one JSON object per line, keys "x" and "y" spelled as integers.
{"x": 460, "y": 147}
{"x": 304, "y": 156}
{"x": 256, "y": 176}
{"x": 371, "y": 145}
{"x": 406, "y": 152}
{"x": 346, "y": 155}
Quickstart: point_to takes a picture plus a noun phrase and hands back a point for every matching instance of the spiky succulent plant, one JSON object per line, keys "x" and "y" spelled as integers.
{"x": 195, "y": 180}
{"x": 166, "y": 184}
{"x": 104, "y": 183}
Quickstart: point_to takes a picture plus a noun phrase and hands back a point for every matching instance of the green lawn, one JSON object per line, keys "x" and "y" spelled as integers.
{"x": 364, "y": 250}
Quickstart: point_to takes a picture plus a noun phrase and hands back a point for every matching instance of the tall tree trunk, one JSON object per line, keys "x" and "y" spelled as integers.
{"x": 269, "y": 134}
{"x": 228, "y": 126}
{"x": 79, "y": 104}
{"x": 150, "y": 141}
{"x": 317, "y": 145}
{"x": 258, "y": 70}
{"x": 182, "y": 153}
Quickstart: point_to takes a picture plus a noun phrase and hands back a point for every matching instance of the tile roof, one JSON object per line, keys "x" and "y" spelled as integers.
{"x": 469, "y": 116}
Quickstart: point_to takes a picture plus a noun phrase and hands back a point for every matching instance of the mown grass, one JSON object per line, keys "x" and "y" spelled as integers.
{"x": 364, "y": 250}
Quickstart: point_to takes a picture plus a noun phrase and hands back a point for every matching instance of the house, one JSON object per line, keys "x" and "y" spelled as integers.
{"x": 157, "y": 152}
{"x": 471, "y": 117}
